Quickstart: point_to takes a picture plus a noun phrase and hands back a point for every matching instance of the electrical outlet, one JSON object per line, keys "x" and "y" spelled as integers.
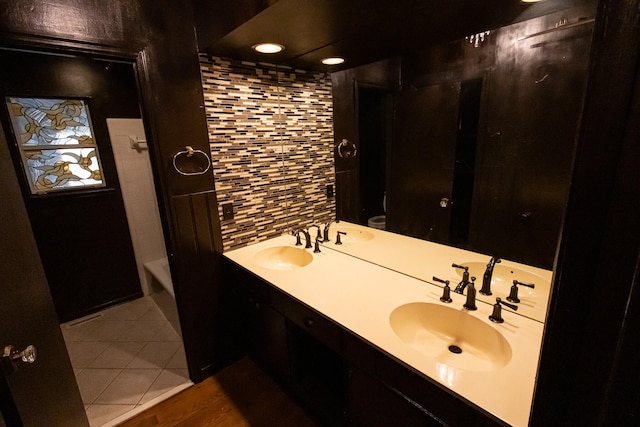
{"x": 227, "y": 211}
{"x": 329, "y": 190}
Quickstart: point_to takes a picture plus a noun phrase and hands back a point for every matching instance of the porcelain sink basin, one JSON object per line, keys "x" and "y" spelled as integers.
{"x": 353, "y": 235}
{"x": 503, "y": 277}
{"x": 451, "y": 336}
{"x": 283, "y": 258}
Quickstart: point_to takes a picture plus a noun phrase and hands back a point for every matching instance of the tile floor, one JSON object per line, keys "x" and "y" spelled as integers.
{"x": 123, "y": 357}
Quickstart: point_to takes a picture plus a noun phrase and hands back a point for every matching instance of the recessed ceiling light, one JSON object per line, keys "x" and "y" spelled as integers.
{"x": 268, "y": 47}
{"x": 335, "y": 60}
{"x": 530, "y": 1}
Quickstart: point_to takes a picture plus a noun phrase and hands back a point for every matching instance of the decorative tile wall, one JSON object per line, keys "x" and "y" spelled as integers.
{"x": 271, "y": 134}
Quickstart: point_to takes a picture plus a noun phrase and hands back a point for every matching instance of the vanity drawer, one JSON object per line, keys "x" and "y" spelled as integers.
{"x": 307, "y": 319}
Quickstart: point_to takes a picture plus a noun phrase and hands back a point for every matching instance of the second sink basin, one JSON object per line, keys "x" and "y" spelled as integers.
{"x": 353, "y": 235}
{"x": 503, "y": 276}
{"x": 283, "y": 258}
{"x": 451, "y": 336}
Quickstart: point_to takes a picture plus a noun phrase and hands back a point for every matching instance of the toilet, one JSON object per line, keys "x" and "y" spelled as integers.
{"x": 378, "y": 222}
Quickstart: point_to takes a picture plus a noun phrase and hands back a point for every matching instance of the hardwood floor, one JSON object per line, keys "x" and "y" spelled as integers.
{"x": 238, "y": 396}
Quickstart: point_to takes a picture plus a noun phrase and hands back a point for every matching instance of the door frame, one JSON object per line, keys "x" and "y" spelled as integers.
{"x": 138, "y": 58}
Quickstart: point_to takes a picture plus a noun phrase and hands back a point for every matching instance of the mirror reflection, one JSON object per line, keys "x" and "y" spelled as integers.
{"x": 473, "y": 148}
{"x": 466, "y": 141}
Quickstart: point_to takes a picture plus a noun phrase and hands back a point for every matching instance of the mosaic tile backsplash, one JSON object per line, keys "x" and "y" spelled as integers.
{"x": 271, "y": 135}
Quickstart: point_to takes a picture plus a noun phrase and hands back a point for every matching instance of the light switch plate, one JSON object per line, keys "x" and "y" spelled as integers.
{"x": 227, "y": 211}
{"x": 329, "y": 190}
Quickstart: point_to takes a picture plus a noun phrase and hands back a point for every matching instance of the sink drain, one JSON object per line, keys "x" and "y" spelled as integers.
{"x": 455, "y": 349}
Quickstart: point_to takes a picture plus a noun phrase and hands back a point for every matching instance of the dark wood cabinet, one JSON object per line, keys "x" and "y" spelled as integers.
{"x": 309, "y": 320}
{"x": 339, "y": 378}
{"x": 372, "y": 404}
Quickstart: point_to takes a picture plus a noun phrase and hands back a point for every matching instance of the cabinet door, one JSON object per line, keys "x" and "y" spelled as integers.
{"x": 371, "y": 404}
{"x": 268, "y": 339}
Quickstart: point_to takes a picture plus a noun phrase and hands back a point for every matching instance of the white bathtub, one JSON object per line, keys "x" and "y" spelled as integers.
{"x": 161, "y": 290}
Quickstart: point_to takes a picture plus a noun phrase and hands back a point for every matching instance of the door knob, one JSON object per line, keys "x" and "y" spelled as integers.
{"x": 28, "y": 355}
{"x": 10, "y": 356}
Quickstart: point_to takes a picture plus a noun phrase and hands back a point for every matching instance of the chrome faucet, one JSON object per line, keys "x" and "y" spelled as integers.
{"x": 488, "y": 275}
{"x": 326, "y": 229}
{"x": 307, "y": 236}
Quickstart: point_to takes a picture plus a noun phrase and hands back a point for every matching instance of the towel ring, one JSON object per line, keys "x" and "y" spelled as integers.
{"x": 350, "y": 149}
{"x": 190, "y": 152}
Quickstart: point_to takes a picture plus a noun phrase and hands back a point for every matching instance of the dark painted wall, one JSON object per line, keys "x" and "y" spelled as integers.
{"x": 159, "y": 38}
{"x": 586, "y": 359}
{"x": 589, "y": 286}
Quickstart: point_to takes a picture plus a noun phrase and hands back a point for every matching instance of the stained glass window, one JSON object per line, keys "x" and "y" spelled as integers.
{"x": 56, "y": 143}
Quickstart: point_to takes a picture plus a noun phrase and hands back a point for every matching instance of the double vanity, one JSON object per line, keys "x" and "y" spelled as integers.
{"x": 375, "y": 312}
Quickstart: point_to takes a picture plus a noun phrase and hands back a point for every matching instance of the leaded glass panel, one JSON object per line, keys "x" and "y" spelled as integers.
{"x": 56, "y": 143}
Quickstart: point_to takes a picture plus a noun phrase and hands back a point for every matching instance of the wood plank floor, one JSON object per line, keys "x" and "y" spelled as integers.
{"x": 238, "y": 396}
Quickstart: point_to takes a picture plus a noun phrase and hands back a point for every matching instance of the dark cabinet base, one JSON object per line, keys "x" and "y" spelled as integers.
{"x": 371, "y": 404}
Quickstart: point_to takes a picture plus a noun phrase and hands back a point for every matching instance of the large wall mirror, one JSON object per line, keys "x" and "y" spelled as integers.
{"x": 464, "y": 115}
{"x": 471, "y": 141}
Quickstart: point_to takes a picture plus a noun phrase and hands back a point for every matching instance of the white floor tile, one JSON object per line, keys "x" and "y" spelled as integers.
{"x": 153, "y": 313}
{"x": 167, "y": 380}
{"x": 128, "y": 387}
{"x": 92, "y": 382}
{"x": 101, "y": 414}
{"x": 117, "y": 355}
{"x": 154, "y": 355}
{"x": 83, "y": 353}
{"x": 108, "y": 330}
{"x": 77, "y": 332}
{"x": 166, "y": 333}
{"x": 142, "y": 330}
{"x": 178, "y": 361}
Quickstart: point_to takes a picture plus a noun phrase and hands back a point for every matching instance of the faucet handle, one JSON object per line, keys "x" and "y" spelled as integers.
{"x": 513, "y": 293}
{"x": 296, "y": 232}
{"x": 446, "y": 292}
{"x": 496, "y": 316}
{"x": 528, "y": 285}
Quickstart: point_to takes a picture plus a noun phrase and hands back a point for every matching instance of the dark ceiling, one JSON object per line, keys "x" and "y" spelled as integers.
{"x": 361, "y": 31}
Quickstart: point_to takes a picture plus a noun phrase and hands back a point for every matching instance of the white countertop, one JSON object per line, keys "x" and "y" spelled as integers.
{"x": 360, "y": 296}
{"x": 423, "y": 260}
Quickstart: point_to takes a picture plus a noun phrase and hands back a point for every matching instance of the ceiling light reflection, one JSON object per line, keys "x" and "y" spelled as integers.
{"x": 269, "y": 48}
{"x": 334, "y": 60}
